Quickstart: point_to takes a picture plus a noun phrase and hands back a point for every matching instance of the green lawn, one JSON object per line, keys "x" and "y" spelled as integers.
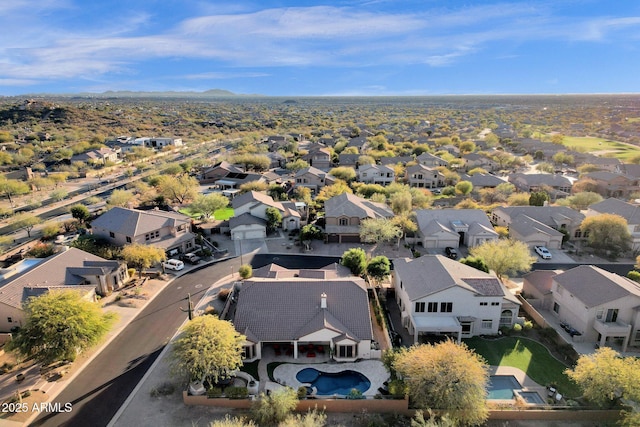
{"x": 223, "y": 214}
{"x": 529, "y": 356}
{"x": 220, "y": 214}
{"x": 617, "y": 149}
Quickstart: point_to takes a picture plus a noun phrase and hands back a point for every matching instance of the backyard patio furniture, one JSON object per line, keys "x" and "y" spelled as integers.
{"x": 320, "y": 349}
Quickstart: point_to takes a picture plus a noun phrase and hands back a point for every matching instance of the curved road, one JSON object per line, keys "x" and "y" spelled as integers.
{"x": 105, "y": 383}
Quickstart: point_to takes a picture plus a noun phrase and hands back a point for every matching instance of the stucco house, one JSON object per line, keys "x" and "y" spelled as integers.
{"x": 534, "y": 233}
{"x": 247, "y": 226}
{"x": 319, "y": 157}
{"x": 376, "y": 174}
{"x": 602, "y": 306}
{"x": 170, "y": 231}
{"x": 71, "y": 269}
{"x": 556, "y": 217}
{"x": 440, "y": 228}
{"x": 611, "y": 184}
{"x": 439, "y": 296}
{"x": 313, "y": 178}
{"x": 430, "y": 160}
{"x": 304, "y": 312}
{"x": 100, "y": 156}
{"x": 630, "y": 212}
{"x": 558, "y": 185}
{"x": 422, "y": 176}
{"x": 256, "y": 204}
{"x": 345, "y": 212}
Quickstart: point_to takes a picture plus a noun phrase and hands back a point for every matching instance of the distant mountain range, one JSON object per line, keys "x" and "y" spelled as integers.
{"x": 212, "y": 93}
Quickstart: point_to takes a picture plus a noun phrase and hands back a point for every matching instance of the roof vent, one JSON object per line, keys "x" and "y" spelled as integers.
{"x": 323, "y": 300}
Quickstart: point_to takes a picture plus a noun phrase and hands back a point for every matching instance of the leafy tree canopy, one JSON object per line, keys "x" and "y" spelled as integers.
{"x": 59, "y": 325}
{"x": 504, "y": 256}
{"x": 356, "y": 260}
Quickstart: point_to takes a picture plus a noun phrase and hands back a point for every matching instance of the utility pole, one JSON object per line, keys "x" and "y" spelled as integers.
{"x": 190, "y": 309}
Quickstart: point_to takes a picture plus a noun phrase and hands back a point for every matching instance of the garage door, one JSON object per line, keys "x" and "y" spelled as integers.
{"x": 351, "y": 239}
{"x": 248, "y": 234}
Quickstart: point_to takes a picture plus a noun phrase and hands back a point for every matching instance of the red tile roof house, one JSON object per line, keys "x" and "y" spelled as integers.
{"x": 294, "y": 309}
{"x": 439, "y": 296}
{"x": 71, "y": 269}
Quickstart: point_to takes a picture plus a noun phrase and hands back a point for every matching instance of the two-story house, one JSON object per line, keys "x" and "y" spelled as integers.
{"x": 611, "y": 184}
{"x": 430, "y": 160}
{"x": 313, "y": 178}
{"x": 345, "y": 212}
{"x": 558, "y": 185}
{"x": 256, "y": 204}
{"x": 421, "y": 176}
{"x": 170, "y": 231}
{"x": 319, "y": 157}
{"x": 438, "y": 296}
{"x": 376, "y": 174}
{"x": 601, "y": 306}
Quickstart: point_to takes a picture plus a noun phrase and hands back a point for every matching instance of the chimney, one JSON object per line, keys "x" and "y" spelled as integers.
{"x": 323, "y": 300}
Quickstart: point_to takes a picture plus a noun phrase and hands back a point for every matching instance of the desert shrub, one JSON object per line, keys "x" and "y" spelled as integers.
{"x": 517, "y": 327}
{"x": 236, "y": 392}
{"x": 211, "y": 311}
{"x": 224, "y": 294}
{"x": 214, "y": 392}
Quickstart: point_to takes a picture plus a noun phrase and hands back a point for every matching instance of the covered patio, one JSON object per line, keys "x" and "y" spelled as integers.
{"x": 436, "y": 325}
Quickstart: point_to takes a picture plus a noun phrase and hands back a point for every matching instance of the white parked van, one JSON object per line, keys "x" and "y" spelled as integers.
{"x": 173, "y": 264}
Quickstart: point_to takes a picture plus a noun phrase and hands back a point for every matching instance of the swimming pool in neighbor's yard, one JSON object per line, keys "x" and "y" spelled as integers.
{"x": 330, "y": 383}
{"x": 501, "y": 387}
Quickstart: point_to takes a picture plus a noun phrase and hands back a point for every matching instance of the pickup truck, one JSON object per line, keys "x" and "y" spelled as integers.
{"x": 191, "y": 258}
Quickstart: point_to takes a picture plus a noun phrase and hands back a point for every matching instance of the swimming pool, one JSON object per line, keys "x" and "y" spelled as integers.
{"x": 330, "y": 383}
{"x": 502, "y": 386}
{"x": 532, "y": 397}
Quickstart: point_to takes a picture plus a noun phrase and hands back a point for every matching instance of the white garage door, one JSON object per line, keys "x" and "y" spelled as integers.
{"x": 249, "y": 234}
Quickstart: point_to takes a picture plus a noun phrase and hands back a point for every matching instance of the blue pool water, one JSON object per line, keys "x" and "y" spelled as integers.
{"x": 502, "y": 386}
{"x": 329, "y": 383}
{"x": 531, "y": 397}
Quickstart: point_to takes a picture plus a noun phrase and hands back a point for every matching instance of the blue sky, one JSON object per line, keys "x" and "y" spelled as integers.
{"x": 289, "y": 48}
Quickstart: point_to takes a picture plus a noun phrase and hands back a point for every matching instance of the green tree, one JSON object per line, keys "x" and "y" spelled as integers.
{"x": 50, "y": 230}
{"x": 607, "y": 379}
{"x": 518, "y": 199}
{"x": 12, "y": 187}
{"x": 120, "y": 198}
{"x": 311, "y": 232}
{"x": 274, "y": 218}
{"x": 80, "y": 212}
{"x": 344, "y": 173}
{"x": 296, "y": 165}
{"x": 59, "y": 325}
{"x": 581, "y": 201}
{"x": 208, "y": 204}
{"x": 177, "y": 189}
{"x": 329, "y": 191}
{"x": 504, "y": 256}
{"x": 253, "y": 186}
{"x": 379, "y": 268}
{"x": 141, "y": 256}
{"x": 401, "y": 202}
{"x": 245, "y": 271}
{"x": 464, "y": 187}
{"x": 269, "y": 410}
{"x": 607, "y": 233}
{"x": 356, "y": 260}
{"x": 208, "y": 348}
{"x": 374, "y": 230}
{"x": 257, "y": 162}
{"x": 475, "y": 262}
{"x": 26, "y": 221}
{"x": 447, "y": 377}
{"x": 538, "y": 198}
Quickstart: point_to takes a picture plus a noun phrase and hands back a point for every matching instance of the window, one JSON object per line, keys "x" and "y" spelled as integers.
{"x": 346, "y": 351}
{"x": 128, "y": 239}
{"x": 556, "y": 308}
{"x": 612, "y": 315}
{"x": 487, "y": 324}
{"x": 505, "y": 317}
{"x": 495, "y": 304}
{"x": 248, "y": 351}
{"x": 599, "y": 314}
{"x": 189, "y": 245}
{"x": 483, "y": 303}
{"x": 637, "y": 336}
{"x": 344, "y": 221}
{"x": 446, "y": 307}
{"x": 112, "y": 234}
{"x": 466, "y": 327}
{"x": 147, "y": 237}
{"x": 420, "y": 307}
{"x": 9, "y": 319}
{"x": 577, "y": 234}
{"x": 432, "y": 307}
{"x": 298, "y": 180}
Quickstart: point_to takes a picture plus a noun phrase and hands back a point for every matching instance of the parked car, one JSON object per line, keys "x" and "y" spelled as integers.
{"x": 191, "y": 258}
{"x": 543, "y": 252}
{"x": 451, "y": 252}
{"x": 173, "y": 264}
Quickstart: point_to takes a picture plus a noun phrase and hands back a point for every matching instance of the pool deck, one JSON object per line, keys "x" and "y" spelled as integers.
{"x": 374, "y": 370}
{"x": 527, "y": 383}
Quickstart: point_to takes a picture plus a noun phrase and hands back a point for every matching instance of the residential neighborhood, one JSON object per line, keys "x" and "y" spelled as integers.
{"x": 332, "y": 249}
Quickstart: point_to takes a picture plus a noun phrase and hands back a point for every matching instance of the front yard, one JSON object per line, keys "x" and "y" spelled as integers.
{"x": 530, "y": 356}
